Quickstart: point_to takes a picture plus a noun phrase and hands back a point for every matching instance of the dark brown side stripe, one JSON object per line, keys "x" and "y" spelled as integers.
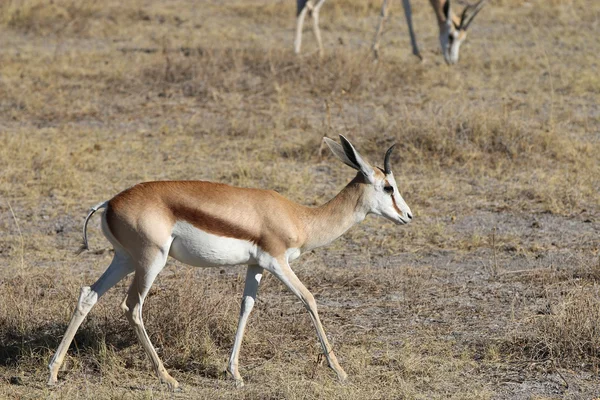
{"x": 212, "y": 224}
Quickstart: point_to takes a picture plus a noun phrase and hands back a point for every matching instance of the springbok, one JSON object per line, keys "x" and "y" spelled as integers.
{"x": 208, "y": 224}
{"x": 453, "y": 30}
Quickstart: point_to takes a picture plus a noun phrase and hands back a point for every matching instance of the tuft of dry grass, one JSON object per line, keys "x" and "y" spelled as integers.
{"x": 46, "y": 18}
{"x": 564, "y": 330}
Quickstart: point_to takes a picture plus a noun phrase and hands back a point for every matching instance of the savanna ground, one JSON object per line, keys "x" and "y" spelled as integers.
{"x": 493, "y": 292}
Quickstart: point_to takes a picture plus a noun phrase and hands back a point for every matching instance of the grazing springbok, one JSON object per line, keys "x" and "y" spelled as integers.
{"x": 453, "y": 30}
{"x": 208, "y": 224}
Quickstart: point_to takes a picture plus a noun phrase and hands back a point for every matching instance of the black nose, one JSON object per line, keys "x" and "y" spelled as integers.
{"x": 409, "y": 215}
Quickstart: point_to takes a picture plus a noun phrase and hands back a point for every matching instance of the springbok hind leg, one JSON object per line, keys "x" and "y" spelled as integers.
{"x": 316, "y": 30}
{"x": 303, "y": 8}
{"x": 382, "y": 19}
{"x": 146, "y": 271}
{"x": 120, "y": 267}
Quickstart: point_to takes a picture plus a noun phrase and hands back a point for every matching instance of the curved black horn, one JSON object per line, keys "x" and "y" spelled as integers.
{"x": 387, "y": 168}
{"x": 464, "y": 23}
{"x": 463, "y": 18}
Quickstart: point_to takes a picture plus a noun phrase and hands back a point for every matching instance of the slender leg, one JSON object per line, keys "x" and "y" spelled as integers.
{"x": 253, "y": 276}
{"x": 147, "y": 270}
{"x": 383, "y": 17}
{"x": 411, "y": 32}
{"x": 316, "y": 30}
{"x": 284, "y": 273}
{"x": 120, "y": 267}
{"x": 303, "y": 7}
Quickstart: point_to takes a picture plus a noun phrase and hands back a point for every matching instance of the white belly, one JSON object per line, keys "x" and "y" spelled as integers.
{"x": 196, "y": 247}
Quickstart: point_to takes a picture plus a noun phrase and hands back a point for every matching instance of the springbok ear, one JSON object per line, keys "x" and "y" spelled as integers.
{"x": 349, "y": 156}
{"x": 338, "y": 151}
{"x": 354, "y": 157}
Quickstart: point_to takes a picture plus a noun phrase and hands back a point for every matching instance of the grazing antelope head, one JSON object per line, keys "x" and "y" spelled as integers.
{"x": 453, "y": 31}
{"x": 382, "y": 196}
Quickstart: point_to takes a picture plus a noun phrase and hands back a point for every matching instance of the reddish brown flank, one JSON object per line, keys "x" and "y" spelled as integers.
{"x": 215, "y": 208}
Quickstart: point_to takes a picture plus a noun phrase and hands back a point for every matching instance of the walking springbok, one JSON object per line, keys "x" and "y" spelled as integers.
{"x": 208, "y": 224}
{"x": 453, "y": 30}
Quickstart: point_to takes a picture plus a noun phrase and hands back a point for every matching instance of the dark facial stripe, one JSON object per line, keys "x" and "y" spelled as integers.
{"x": 395, "y": 206}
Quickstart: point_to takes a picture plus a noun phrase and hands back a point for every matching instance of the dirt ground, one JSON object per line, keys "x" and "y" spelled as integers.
{"x": 492, "y": 292}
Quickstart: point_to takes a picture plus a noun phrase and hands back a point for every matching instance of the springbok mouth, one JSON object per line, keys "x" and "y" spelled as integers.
{"x": 401, "y": 221}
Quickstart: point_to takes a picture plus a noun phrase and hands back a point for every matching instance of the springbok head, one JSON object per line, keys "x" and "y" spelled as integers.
{"x": 381, "y": 195}
{"x": 453, "y": 31}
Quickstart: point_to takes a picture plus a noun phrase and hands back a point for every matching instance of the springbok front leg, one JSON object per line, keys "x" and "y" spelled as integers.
{"x": 147, "y": 268}
{"x": 253, "y": 277}
{"x": 120, "y": 267}
{"x": 281, "y": 269}
{"x": 411, "y": 31}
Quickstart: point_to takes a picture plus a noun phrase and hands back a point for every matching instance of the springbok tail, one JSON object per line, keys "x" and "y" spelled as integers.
{"x": 84, "y": 245}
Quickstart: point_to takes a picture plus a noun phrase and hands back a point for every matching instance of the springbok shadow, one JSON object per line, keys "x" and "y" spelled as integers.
{"x": 32, "y": 344}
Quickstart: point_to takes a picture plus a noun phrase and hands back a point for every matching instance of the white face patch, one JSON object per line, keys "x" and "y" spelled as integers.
{"x": 450, "y": 41}
{"x": 388, "y": 202}
{"x": 196, "y": 247}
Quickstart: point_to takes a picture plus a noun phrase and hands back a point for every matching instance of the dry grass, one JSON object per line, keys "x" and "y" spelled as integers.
{"x": 564, "y": 330}
{"x": 491, "y": 293}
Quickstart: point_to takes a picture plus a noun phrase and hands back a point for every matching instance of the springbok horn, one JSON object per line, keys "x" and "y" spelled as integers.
{"x": 476, "y": 8}
{"x": 387, "y": 168}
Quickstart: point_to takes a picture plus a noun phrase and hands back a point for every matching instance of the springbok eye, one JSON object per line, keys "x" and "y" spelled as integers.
{"x": 388, "y": 189}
